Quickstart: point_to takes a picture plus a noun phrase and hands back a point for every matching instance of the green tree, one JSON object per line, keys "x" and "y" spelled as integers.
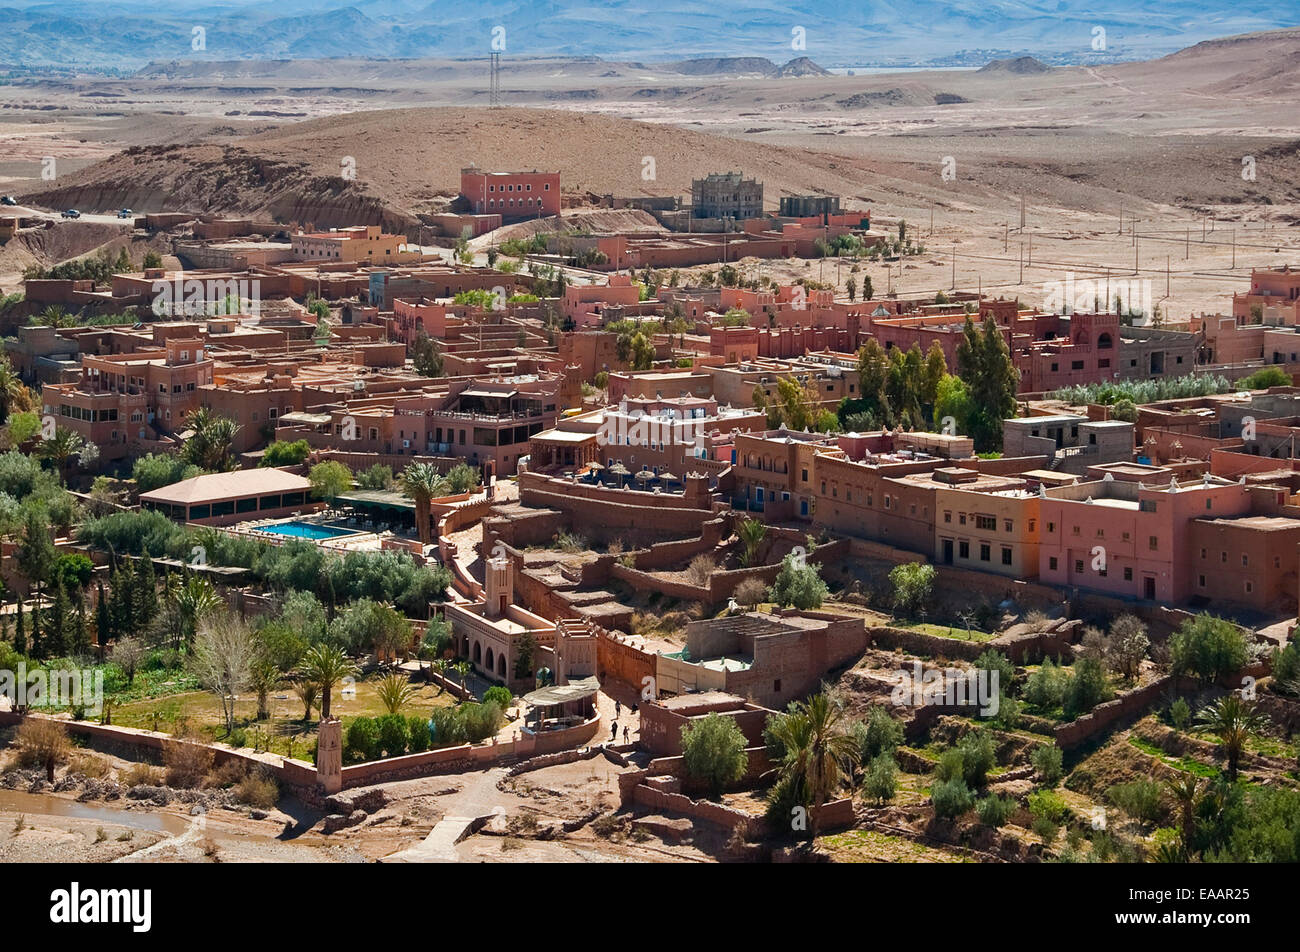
{"x": 984, "y": 364}
{"x": 913, "y": 585}
{"x": 422, "y": 482}
{"x": 329, "y": 480}
{"x": 283, "y": 453}
{"x": 751, "y": 533}
{"x": 1233, "y": 720}
{"x": 325, "y": 666}
{"x": 210, "y": 443}
{"x": 799, "y": 584}
{"x": 713, "y": 752}
{"x": 1208, "y": 647}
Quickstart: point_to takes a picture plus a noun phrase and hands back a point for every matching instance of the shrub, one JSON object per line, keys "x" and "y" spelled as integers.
{"x": 951, "y": 798}
{"x": 1140, "y": 799}
{"x": 1049, "y": 805}
{"x": 227, "y": 774}
{"x": 994, "y": 811}
{"x": 913, "y": 585}
{"x": 970, "y": 760}
{"x": 1044, "y": 690}
{"x": 363, "y": 738}
{"x": 881, "y": 779}
{"x": 700, "y": 570}
{"x": 799, "y": 584}
{"x": 879, "y": 734}
{"x": 1047, "y": 764}
{"x": 187, "y": 764}
{"x": 1208, "y": 647}
{"x": 142, "y": 775}
{"x": 713, "y": 750}
{"x": 257, "y": 790}
{"x": 993, "y": 660}
{"x": 1180, "y": 713}
{"x": 750, "y": 592}
{"x": 448, "y": 728}
{"x": 1086, "y": 689}
{"x": 393, "y": 734}
{"x": 500, "y": 695}
{"x": 417, "y": 729}
{"x": 481, "y": 720}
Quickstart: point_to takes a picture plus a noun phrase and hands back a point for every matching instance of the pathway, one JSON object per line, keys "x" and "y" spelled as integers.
{"x": 465, "y": 810}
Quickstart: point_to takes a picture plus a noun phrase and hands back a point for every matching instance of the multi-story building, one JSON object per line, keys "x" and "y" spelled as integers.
{"x": 131, "y": 403}
{"x": 512, "y": 195}
{"x": 363, "y": 244}
{"x": 726, "y": 195}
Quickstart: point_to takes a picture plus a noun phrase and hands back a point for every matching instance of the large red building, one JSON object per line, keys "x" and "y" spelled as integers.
{"x": 512, "y": 195}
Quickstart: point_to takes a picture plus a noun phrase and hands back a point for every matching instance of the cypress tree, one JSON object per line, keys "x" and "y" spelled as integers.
{"x": 20, "y": 631}
{"x": 37, "y": 648}
{"x": 57, "y": 644}
{"x": 80, "y": 634}
{"x": 103, "y": 622}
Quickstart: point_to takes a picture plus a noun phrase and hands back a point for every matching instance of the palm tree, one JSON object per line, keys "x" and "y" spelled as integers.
{"x": 309, "y": 693}
{"x": 462, "y": 668}
{"x": 1185, "y": 790}
{"x": 441, "y": 665}
{"x": 394, "y": 692}
{"x": 325, "y": 666}
{"x": 751, "y": 532}
{"x": 56, "y": 316}
{"x": 421, "y": 481}
{"x": 211, "y": 439}
{"x": 832, "y": 751}
{"x": 11, "y": 388}
{"x": 195, "y": 599}
{"x": 61, "y": 447}
{"x": 1233, "y": 720}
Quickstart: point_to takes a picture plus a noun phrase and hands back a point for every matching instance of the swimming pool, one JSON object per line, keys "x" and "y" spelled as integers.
{"x": 306, "y": 530}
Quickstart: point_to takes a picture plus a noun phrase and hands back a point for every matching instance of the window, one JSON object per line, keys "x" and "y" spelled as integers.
{"x": 1006, "y": 555}
{"x": 1128, "y": 575}
{"x": 963, "y": 549}
{"x": 1153, "y": 543}
{"x": 1078, "y": 566}
{"x": 947, "y": 516}
{"x": 988, "y": 523}
{"x": 1051, "y": 563}
{"x": 1051, "y": 527}
{"x": 984, "y": 552}
{"x": 1250, "y": 587}
{"x": 1200, "y": 581}
{"x": 776, "y": 686}
{"x": 1007, "y": 525}
{"x": 961, "y": 518}
{"x": 1245, "y": 559}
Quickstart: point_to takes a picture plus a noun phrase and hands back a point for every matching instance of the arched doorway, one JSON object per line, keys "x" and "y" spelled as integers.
{"x": 478, "y": 654}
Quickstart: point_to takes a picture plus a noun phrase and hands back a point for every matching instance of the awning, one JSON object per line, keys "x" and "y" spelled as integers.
{"x": 563, "y": 693}
{"x": 315, "y": 419}
{"x": 489, "y": 394}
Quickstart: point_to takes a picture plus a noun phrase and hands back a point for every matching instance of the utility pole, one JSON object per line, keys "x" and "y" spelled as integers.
{"x": 1234, "y": 249}
{"x": 1022, "y": 263}
{"x": 1022, "y": 212}
{"x": 1121, "y": 219}
{"x": 1166, "y": 275}
{"x": 954, "y": 267}
{"x": 1006, "y": 232}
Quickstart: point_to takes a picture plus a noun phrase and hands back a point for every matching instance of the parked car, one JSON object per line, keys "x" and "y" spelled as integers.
{"x": 71, "y": 213}
{"x": 125, "y": 213}
{"x": 8, "y": 200}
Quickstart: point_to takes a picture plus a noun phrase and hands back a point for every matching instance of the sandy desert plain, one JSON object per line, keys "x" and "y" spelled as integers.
{"x": 1127, "y": 169}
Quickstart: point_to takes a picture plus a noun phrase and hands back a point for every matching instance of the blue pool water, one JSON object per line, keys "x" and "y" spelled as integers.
{"x": 306, "y": 530}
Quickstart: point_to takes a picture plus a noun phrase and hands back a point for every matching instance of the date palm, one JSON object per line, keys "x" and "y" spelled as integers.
{"x": 462, "y": 669}
{"x": 394, "y": 692}
{"x": 751, "y": 533}
{"x": 422, "y": 482}
{"x": 211, "y": 439}
{"x": 309, "y": 693}
{"x": 195, "y": 599}
{"x": 832, "y": 752}
{"x": 60, "y": 448}
{"x": 1233, "y": 720}
{"x": 326, "y": 666}
{"x": 1185, "y": 790}
{"x": 440, "y": 665}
